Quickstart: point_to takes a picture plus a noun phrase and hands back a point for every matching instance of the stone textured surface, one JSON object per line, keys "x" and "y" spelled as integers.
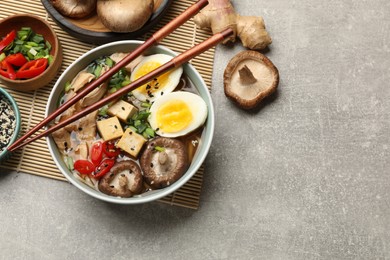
{"x": 306, "y": 176}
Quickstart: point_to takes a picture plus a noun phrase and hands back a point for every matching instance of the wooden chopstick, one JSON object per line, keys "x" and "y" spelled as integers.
{"x": 174, "y": 63}
{"x": 154, "y": 39}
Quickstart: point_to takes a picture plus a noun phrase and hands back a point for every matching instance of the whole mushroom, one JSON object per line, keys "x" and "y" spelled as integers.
{"x": 124, "y": 16}
{"x": 250, "y": 77}
{"x": 163, "y": 161}
{"x": 74, "y": 8}
{"x": 123, "y": 180}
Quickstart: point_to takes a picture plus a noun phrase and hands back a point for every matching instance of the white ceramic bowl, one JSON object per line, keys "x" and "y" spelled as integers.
{"x": 127, "y": 46}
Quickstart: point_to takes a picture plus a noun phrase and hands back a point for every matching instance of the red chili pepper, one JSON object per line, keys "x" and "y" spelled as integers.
{"x": 16, "y": 59}
{"x": 110, "y": 149}
{"x": 32, "y": 69}
{"x": 84, "y": 166}
{"x": 7, "y": 40}
{"x": 104, "y": 167}
{"x": 6, "y": 70}
{"x": 97, "y": 153}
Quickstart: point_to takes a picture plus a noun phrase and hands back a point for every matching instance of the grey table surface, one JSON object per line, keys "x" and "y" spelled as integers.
{"x": 306, "y": 176}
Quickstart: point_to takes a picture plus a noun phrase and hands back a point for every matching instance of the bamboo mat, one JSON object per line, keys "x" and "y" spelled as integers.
{"x": 35, "y": 158}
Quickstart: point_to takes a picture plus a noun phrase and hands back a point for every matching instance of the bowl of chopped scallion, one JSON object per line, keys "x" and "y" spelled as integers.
{"x": 30, "y": 52}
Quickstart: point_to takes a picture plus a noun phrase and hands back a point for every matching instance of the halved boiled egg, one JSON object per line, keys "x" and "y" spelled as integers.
{"x": 177, "y": 114}
{"x": 159, "y": 86}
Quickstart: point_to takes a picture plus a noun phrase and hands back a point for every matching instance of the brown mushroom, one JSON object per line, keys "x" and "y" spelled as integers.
{"x": 81, "y": 79}
{"x": 163, "y": 161}
{"x": 123, "y": 180}
{"x": 62, "y": 138}
{"x": 74, "y": 8}
{"x": 124, "y": 16}
{"x": 249, "y": 78}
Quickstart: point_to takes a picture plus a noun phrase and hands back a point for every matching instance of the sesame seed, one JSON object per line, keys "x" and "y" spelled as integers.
{"x": 8, "y": 123}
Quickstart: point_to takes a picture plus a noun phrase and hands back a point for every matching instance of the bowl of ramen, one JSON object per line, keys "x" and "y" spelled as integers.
{"x": 142, "y": 146}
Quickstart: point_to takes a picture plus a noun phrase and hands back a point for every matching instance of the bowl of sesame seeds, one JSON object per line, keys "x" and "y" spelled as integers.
{"x": 10, "y": 123}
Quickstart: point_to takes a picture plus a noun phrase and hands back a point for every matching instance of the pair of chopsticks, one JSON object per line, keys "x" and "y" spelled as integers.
{"x": 156, "y": 38}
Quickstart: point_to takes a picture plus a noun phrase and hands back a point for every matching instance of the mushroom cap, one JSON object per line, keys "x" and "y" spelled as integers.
{"x": 162, "y": 168}
{"x": 249, "y": 78}
{"x": 124, "y": 16}
{"x": 74, "y": 8}
{"x": 123, "y": 180}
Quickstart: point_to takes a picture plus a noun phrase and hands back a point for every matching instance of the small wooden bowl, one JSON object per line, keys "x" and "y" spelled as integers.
{"x": 40, "y": 26}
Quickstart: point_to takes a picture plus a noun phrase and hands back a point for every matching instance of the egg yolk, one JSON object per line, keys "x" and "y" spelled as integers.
{"x": 155, "y": 84}
{"x": 173, "y": 116}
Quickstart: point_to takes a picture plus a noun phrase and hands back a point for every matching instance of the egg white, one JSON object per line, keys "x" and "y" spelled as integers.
{"x": 173, "y": 79}
{"x": 196, "y": 105}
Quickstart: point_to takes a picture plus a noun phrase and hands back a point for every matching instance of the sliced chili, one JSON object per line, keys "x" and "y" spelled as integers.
{"x": 6, "y": 70}
{"x": 7, "y": 40}
{"x": 84, "y": 166}
{"x": 32, "y": 69}
{"x": 16, "y": 59}
{"x": 110, "y": 149}
{"x": 104, "y": 167}
{"x": 97, "y": 153}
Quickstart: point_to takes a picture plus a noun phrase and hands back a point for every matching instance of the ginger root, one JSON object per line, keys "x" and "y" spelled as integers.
{"x": 220, "y": 14}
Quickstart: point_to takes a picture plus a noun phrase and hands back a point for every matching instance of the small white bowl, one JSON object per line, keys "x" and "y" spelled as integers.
{"x": 128, "y": 46}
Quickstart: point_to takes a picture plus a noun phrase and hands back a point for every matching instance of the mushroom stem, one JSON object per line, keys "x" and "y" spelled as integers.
{"x": 246, "y": 76}
{"x": 163, "y": 158}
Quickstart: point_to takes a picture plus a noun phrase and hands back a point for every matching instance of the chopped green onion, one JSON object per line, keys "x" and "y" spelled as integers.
{"x": 142, "y": 115}
{"x": 109, "y": 62}
{"x": 91, "y": 68}
{"x": 48, "y": 45}
{"x": 159, "y": 148}
{"x": 149, "y": 131}
{"x": 50, "y": 59}
{"x": 2, "y": 56}
{"x": 133, "y": 128}
{"x": 146, "y": 104}
{"x": 68, "y": 86}
{"x": 103, "y": 110}
{"x": 125, "y": 83}
{"x": 98, "y": 71}
{"x": 69, "y": 163}
{"x": 37, "y": 38}
{"x": 112, "y": 90}
{"x": 33, "y": 51}
{"x": 19, "y": 42}
{"x": 32, "y": 44}
{"x": 137, "y": 123}
{"x": 141, "y": 128}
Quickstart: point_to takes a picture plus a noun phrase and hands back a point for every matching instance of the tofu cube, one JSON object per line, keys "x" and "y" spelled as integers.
{"x": 122, "y": 109}
{"x": 131, "y": 142}
{"x": 110, "y": 128}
